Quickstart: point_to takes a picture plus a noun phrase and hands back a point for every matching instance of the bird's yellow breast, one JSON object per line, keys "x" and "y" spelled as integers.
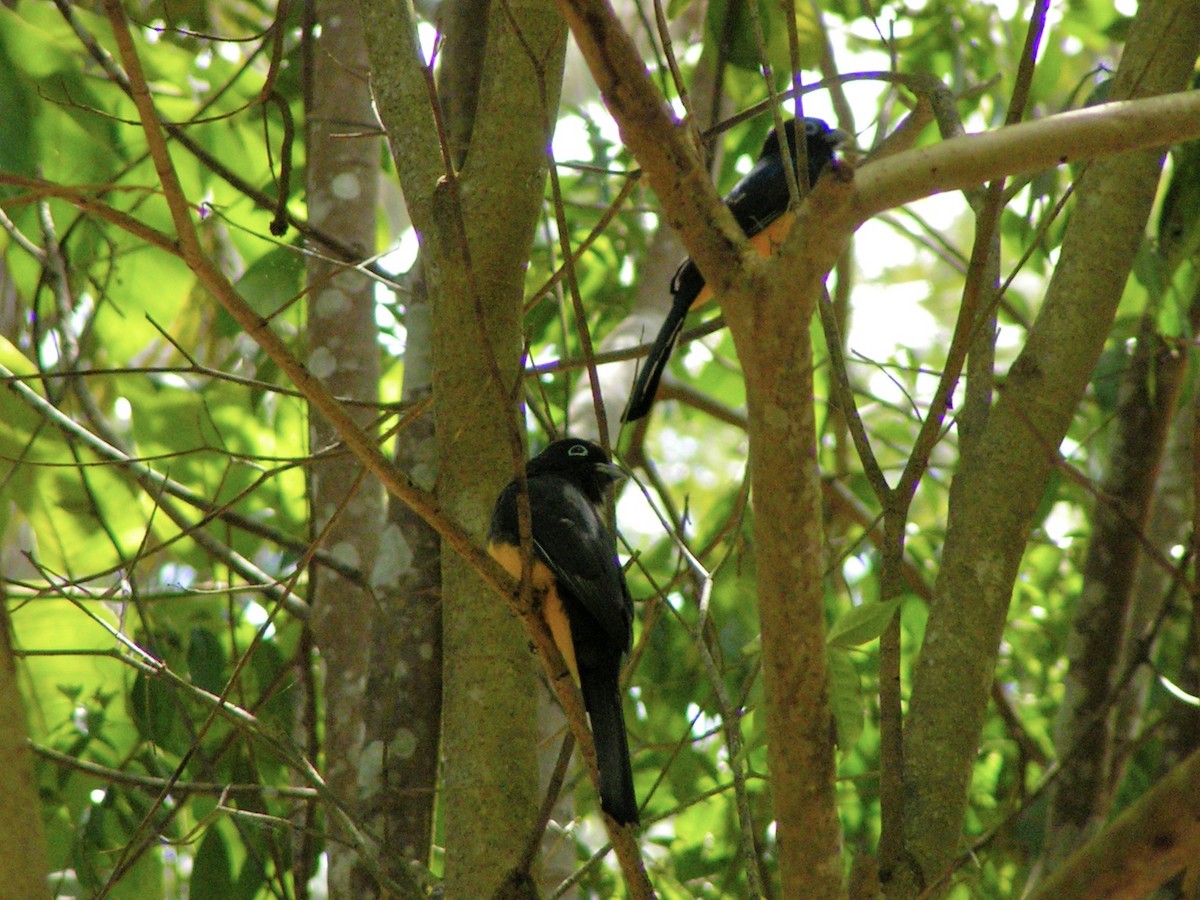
{"x": 546, "y": 595}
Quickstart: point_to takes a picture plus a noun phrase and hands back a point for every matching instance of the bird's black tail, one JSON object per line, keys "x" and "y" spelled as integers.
{"x": 602, "y": 697}
{"x": 642, "y": 396}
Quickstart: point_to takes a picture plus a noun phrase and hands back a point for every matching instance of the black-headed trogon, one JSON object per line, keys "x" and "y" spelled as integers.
{"x": 759, "y": 203}
{"x": 581, "y": 588}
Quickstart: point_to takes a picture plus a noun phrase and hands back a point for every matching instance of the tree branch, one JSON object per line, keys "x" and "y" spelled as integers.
{"x": 1152, "y": 840}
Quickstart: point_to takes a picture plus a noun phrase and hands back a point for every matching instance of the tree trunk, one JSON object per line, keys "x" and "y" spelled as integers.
{"x": 476, "y": 228}
{"x": 490, "y": 714}
{"x": 343, "y": 351}
{"x": 1098, "y": 643}
{"x": 777, "y": 360}
{"x": 403, "y": 707}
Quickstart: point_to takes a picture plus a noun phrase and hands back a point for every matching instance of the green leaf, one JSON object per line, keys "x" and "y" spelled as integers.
{"x": 38, "y": 25}
{"x": 731, "y": 21}
{"x": 265, "y": 665}
{"x": 212, "y": 874}
{"x": 272, "y": 281}
{"x": 862, "y": 623}
{"x": 732, "y": 18}
{"x": 845, "y": 697}
{"x": 52, "y": 625}
{"x": 155, "y": 712}
{"x": 18, "y": 141}
{"x": 143, "y": 881}
{"x": 1106, "y": 377}
{"x": 250, "y": 879}
{"x": 206, "y": 660}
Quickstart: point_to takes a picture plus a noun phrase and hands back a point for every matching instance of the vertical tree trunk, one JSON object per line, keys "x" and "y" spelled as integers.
{"x": 404, "y": 690}
{"x": 1098, "y": 643}
{"x": 476, "y": 226}
{"x": 490, "y": 710}
{"x": 776, "y": 352}
{"x": 343, "y": 351}
{"x": 403, "y": 706}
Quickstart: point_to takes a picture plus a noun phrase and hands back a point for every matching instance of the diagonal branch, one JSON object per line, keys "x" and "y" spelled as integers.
{"x": 189, "y": 248}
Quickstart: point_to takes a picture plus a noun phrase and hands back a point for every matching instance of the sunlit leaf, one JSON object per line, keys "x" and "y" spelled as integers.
{"x": 862, "y": 623}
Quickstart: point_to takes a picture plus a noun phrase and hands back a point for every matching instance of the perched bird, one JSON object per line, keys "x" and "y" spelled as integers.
{"x": 759, "y": 203}
{"x": 581, "y": 588}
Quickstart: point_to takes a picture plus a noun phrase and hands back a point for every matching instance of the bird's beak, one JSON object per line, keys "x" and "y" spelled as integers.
{"x": 838, "y": 138}
{"x": 612, "y": 472}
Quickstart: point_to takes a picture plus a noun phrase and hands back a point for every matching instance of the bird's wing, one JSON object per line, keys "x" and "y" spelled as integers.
{"x": 573, "y": 542}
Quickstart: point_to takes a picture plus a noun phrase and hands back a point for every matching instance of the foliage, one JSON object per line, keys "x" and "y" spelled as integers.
{"x": 153, "y": 503}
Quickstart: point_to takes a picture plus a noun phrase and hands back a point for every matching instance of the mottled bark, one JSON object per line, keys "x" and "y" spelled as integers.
{"x": 343, "y": 352}
{"x": 490, "y": 715}
{"x": 776, "y": 356}
{"x": 403, "y": 705}
{"x": 1085, "y": 732}
{"x": 476, "y": 228}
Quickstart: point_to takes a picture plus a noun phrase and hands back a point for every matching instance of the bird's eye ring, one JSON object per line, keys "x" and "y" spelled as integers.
{"x": 578, "y": 450}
